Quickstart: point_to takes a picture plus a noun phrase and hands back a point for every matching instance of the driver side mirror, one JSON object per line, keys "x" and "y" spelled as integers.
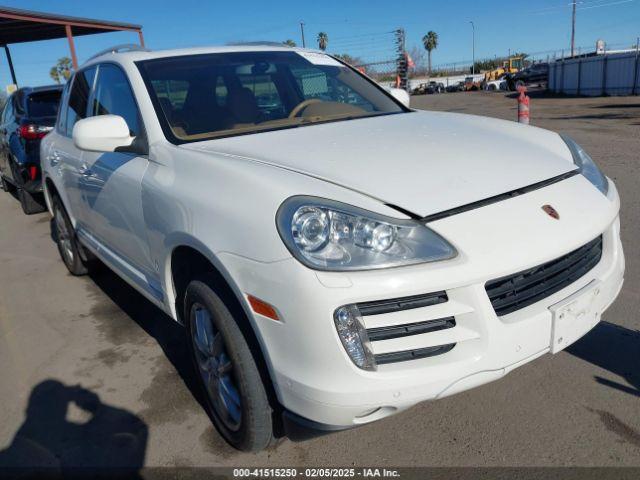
{"x": 401, "y": 95}
{"x": 102, "y": 133}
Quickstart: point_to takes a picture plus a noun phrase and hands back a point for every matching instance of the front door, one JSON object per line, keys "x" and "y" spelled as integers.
{"x": 110, "y": 184}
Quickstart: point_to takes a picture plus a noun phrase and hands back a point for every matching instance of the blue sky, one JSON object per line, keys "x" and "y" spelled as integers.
{"x": 354, "y": 26}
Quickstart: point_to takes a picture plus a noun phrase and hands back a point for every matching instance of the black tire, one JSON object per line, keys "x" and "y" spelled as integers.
{"x": 72, "y": 252}
{"x": 254, "y": 431}
{"x": 30, "y": 203}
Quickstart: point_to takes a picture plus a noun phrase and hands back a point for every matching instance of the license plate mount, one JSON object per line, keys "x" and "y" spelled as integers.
{"x": 574, "y": 316}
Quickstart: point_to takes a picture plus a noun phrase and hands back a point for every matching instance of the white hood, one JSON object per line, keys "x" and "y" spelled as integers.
{"x": 424, "y": 162}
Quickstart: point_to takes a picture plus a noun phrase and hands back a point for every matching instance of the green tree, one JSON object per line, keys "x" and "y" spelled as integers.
{"x": 289, "y": 43}
{"x": 430, "y": 42}
{"x": 61, "y": 70}
{"x": 323, "y": 40}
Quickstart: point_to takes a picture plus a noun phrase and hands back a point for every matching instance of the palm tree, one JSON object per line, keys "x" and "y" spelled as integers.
{"x": 323, "y": 40}
{"x": 289, "y": 43}
{"x": 430, "y": 42}
{"x": 61, "y": 70}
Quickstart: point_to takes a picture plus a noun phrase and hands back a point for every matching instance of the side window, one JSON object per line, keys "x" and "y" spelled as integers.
{"x": 17, "y": 105}
{"x": 79, "y": 98}
{"x": 114, "y": 96}
{"x": 10, "y": 110}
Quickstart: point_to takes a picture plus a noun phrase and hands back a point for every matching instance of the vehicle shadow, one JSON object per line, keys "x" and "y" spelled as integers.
{"x": 168, "y": 333}
{"x": 613, "y": 348}
{"x": 51, "y": 442}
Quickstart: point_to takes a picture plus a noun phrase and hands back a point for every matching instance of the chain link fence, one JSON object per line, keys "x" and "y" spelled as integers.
{"x": 378, "y": 55}
{"x": 384, "y": 56}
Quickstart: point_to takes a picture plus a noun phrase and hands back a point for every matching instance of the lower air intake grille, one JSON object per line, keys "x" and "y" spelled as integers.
{"x": 417, "y": 328}
{"x": 398, "y": 304}
{"x": 405, "y": 355}
{"x": 508, "y": 294}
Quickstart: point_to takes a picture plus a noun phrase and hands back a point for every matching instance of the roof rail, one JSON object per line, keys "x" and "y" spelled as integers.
{"x": 257, "y": 44}
{"x": 125, "y": 47}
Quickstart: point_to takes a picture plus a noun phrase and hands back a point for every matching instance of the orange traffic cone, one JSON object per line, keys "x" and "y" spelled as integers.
{"x": 523, "y": 106}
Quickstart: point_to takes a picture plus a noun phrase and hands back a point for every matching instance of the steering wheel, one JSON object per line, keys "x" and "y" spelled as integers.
{"x": 302, "y": 105}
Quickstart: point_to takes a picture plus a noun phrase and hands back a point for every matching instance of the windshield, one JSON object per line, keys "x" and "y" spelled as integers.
{"x": 213, "y": 95}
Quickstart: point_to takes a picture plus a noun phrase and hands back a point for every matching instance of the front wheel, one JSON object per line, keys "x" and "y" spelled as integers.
{"x": 236, "y": 397}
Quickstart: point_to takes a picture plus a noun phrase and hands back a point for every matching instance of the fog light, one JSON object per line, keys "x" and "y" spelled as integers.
{"x": 353, "y": 336}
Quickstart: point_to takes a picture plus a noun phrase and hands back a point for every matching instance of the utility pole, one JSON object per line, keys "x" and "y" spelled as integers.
{"x": 473, "y": 48}
{"x": 573, "y": 28}
{"x": 302, "y": 31}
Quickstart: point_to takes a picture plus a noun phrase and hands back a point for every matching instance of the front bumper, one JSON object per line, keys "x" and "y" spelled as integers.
{"x": 315, "y": 379}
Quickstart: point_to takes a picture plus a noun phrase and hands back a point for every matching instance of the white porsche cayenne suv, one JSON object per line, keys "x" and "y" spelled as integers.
{"x": 335, "y": 256}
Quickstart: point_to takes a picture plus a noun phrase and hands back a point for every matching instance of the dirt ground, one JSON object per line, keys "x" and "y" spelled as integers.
{"x": 80, "y": 355}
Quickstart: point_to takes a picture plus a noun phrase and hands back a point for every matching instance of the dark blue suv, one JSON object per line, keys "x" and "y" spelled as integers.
{"x": 29, "y": 114}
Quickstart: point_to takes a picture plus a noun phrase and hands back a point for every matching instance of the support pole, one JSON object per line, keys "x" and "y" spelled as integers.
{"x": 304, "y": 45}
{"x": 141, "y": 38}
{"x": 10, "y": 62}
{"x": 72, "y": 47}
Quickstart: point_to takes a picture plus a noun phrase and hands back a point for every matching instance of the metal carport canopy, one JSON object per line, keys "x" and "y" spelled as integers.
{"x": 19, "y": 26}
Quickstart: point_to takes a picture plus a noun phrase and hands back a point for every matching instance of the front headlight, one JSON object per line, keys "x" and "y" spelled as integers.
{"x": 328, "y": 235}
{"x": 586, "y": 165}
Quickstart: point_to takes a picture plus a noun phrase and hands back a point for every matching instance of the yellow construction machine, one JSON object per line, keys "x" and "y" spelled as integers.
{"x": 511, "y": 65}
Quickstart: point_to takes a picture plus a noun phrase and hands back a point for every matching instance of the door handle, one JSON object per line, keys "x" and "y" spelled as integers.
{"x": 85, "y": 171}
{"x": 54, "y": 159}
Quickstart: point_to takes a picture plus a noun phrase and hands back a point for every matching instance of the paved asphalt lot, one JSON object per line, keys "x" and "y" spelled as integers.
{"x": 580, "y": 407}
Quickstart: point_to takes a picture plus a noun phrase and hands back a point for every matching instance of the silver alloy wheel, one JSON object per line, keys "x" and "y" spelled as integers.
{"x": 215, "y": 368}
{"x": 64, "y": 237}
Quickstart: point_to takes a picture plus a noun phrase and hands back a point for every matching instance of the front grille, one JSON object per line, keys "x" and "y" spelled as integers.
{"x": 511, "y": 293}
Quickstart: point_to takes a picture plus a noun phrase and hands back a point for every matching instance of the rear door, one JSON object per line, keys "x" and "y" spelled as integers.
{"x": 110, "y": 183}
{"x": 63, "y": 155}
